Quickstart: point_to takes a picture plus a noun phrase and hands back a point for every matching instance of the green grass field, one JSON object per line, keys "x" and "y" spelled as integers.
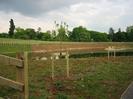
{"x": 16, "y": 45}
{"x": 90, "y": 77}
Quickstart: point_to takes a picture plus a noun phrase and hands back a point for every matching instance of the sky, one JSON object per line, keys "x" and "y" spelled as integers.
{"x": 98, "y": 15}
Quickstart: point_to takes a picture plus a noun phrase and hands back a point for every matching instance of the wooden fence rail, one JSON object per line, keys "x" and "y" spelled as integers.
{"x": 13, "y": 84}
{"x": 21, "y": 83}
{"x": 11, "y": 61}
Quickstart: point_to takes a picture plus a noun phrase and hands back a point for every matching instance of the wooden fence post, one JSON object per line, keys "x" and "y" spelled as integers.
{"x": 52, "y": 64}
{"x": 26, "y": 84}
{"x": 108, "y": 54}
{"x": 114, "y": 53}
{"x": 20, "y": 75}
{"x": 67, "y": 64}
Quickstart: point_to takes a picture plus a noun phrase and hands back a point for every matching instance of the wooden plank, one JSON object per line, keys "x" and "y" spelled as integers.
{"x": 20, "y": 76}
{"x": 11, "y": 61}
{"x": 108, "y": 54}
{"x": 67, "y": 64}
{"x": 114, "y": 54}
{"x": 52, "y": 67}
{"x": 26, "y": 88}
{"x": 13, "y": 84}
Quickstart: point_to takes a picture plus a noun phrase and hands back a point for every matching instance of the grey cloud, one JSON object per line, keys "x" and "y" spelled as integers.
{"x": 35, "y": 7}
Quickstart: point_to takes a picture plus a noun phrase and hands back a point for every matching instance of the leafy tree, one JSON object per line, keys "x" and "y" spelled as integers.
{"x": 28, "y": 33}
{"x": 12, "y": 28}
{"x": 46, "y": 36}
{"x": 130, "y": 36}
{"x": 53, "y": 35}
{"x": 4, "y": 35}
{"x": 39, "y": 34}
{"x": 39, "y": 29}
{"x": 129, "y": 29}
{"x": 99, "y": 37}
{"x": 61, "y": 36}
{"x": 80, "y": 34}
{"x": 20, "y": 33}
{"x": 31, "y": 33}
{"x": 120, "y": 36}
{"x": 130, "y": 33}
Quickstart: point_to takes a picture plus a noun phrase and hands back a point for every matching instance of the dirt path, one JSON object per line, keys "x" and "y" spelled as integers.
{"x": 128, "y": 94}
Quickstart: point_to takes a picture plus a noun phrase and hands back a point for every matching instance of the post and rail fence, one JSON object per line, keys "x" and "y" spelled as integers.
{"x": 21, "y": 63}
{"x": 21, "y": 83}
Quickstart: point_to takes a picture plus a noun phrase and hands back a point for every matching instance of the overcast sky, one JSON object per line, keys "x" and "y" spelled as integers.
{"x": 97, "y": 15}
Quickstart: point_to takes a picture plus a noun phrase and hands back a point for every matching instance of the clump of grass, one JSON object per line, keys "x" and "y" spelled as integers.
{"x": 59, "y": 85}
{"x": 61, "y": 96}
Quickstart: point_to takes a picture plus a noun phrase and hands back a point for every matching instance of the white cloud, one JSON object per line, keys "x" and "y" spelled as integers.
{"x": 93, "y": 14}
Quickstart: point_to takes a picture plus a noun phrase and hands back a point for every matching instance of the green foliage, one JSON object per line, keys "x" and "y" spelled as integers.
{"x": 12, "y": 28}
{"x": 120, "y": 36}
{"x": 129, "y": 29}
{"x": 130, "y": 33}
{"x": 59, "y": 85}
{"x": 20, "y": 33}
{"x": 4, "y": 35}
{"x": 28, "y": 33}
{"x": 61, "y": 36}
{"x": 80, "y": 34}
{"x": 46, "y": 36}
{"x": 99, "y": 37}
{"x": 111, "y": 34}
{"x": 61, "y": 96}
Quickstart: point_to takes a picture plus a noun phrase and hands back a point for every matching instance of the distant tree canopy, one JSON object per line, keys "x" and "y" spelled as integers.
{"x": 121, "y": 36}
{"x": 98, "y": 36}
{"x": 80, "y": 34}
{"x": 130, "y": 33}
{"x": 61, "y": 33}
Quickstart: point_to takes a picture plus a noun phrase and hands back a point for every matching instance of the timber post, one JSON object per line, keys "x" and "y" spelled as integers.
{"x": 26, "y": 83}
{"x": 67, "y": 65}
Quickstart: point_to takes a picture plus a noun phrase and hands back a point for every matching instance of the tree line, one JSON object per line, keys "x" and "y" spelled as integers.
{"x": 61, "y": 33}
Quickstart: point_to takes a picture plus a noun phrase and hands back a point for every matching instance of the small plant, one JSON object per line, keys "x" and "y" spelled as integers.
{"x": 59, "y": 85}
{"x": 61, "y": 96}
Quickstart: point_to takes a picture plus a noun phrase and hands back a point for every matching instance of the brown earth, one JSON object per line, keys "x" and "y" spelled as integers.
{"x": 97, "y": 46}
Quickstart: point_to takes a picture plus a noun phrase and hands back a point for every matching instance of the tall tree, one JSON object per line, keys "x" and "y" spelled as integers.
{"x": 61, "y": 36}
{"x": 120, "y": 36}
{"x": 12, "y": 28}
{"x": 111, "y": 34}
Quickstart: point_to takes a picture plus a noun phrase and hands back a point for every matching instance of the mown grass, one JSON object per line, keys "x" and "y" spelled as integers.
{"x": 8, "y": 48}
{"x": 20, "y": 41}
